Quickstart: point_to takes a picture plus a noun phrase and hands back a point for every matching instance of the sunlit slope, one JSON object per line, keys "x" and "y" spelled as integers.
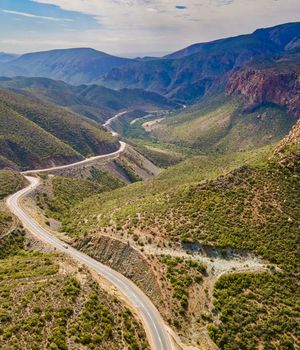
{"x": 221, "y": 125}
{"x": 37, "y": 134}
{"x": 254, "y": 207}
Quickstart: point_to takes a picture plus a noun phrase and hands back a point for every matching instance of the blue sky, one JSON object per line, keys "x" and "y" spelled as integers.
{"x": 133, "y": 27}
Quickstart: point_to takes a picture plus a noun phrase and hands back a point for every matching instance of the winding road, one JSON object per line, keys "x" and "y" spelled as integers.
{"x": 155, "y": 327}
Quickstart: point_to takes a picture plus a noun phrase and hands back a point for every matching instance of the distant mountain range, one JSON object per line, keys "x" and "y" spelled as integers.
{"x": 75, "y": 66}
{"x": 7, "y": 57}
{"x": 92, "y": 101}
{"x": 254, "y": 79}
{"x": 185, "y": 75}
{"x": 204, "y": 68}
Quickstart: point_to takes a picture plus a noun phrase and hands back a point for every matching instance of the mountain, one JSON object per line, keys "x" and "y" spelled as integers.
{"x": 34, "y": 134}
{"x": 6, "y": 57}
{"x": 224, "y": 124}
{"x": 92, "y": 101}
{"x": 75, "y": 66}
{"x": 275, "y": 81}
{"x": 278, "y": 38}
{"x": 186, "y": 74}
{"x": 203, "y": 68}
{"x": 209, "y": 209}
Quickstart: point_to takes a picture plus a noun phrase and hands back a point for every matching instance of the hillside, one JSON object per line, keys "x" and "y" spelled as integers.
{"x": 94, "y": 102}
{"x": 220, "y": 124}
{"x": 252, "y": 207}
{"x": 48, "y": 300}
{"x": 275, "y": 81}
{"x": 51, "y": 301}
{"x": 36, "y": 134}
{"x": 6, "y": 57}
{"x": 203, "y": 68}
{"x": 75, "y": 66}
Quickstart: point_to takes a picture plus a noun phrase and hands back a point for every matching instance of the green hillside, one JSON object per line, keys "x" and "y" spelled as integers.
{"x": 221, "y": 125}
{"x": 10, "y": 182}
{"x": 34, "y": 134}
{"x": 150, "y": 194}
{"x": 246, "y": 208}
{"x": 49, "y": 302}
{"x": 92, "y": 101}
{"x": 67, "y": 192}
{"x": 252, "y": 207}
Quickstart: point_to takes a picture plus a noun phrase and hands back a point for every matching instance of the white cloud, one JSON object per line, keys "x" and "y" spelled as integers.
{"x": 145, "y": 26}
{"x": 30, "y": 15}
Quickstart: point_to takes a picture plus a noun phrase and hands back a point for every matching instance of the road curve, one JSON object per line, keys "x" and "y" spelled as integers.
{"x": 85, "y": 161}
{"x": 154, "y": 325}
{"x": 107, "y": 124}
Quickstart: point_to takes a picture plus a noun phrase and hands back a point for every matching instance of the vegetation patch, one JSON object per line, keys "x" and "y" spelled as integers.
{"x": 220, "y": 124}
{"x": 67, "y": 192}
{"x": 256, "y": 311}
{"x": 10, "y": 182}
{"x": 44, "y": 307}
{"x": 182, "y": 274}
{"x": 11, "y": 243}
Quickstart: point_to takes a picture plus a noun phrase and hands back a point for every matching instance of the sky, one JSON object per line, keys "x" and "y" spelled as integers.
{"x": 133, "y": 27}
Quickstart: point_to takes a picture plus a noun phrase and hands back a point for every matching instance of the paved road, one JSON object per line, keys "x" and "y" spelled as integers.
{"x": 85, "y": 161}
{"x": 107, "y": 124}
{"x": 153, "y": 323}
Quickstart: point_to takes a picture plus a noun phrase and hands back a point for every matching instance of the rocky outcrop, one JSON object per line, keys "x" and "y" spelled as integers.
{"x": 125, "y": 259}
{"x": 263, "y": 86}
{"x": 288, "y": 150}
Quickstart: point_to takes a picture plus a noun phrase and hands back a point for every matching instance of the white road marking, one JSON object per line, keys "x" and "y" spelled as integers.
{"x": 153, "y": 323}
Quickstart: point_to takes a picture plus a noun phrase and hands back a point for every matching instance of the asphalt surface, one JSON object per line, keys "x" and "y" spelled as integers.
{"x": 154, "y": 325}
{"x": 107, "y": 124}
{"x": 85, "y": 161}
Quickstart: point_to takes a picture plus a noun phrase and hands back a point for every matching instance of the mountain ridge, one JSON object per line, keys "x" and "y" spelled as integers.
{"x": 92, "y": 101}
{"x": 194, "y": 75}
{"x": 37, "y": 134}
{"x": 76, "y": 66}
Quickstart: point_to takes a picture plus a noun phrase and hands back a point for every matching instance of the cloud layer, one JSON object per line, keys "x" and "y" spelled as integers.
{"x": 153, "y": 26}
{"x": 30, "y": 15}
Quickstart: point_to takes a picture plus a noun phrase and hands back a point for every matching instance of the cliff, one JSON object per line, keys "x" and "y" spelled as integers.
{"x": 274, "y": 84}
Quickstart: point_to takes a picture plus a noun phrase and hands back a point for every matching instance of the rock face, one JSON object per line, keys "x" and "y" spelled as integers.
{"x": 202, "y": 69}
{"x": 292, "y": 140}
{"x": 124, "y": 259}
{"x": 263, "y": 86}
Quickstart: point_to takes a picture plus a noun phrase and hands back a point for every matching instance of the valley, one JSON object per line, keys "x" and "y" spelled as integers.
{"x": 152, "y": 203}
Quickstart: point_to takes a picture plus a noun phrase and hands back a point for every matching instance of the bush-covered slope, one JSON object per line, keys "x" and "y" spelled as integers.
{"x": 130, "y": 199}
{"x": 10, "y": 182}
{"x": 49, "y": 302}
{"x": 38, "y": 134}
{"x": 94, "y": 102}
{"x": 66, "y": 192}
{"x": 254, "y": 207}
{"x": 256, "y": 311}
{"x": 220, "y": 124}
